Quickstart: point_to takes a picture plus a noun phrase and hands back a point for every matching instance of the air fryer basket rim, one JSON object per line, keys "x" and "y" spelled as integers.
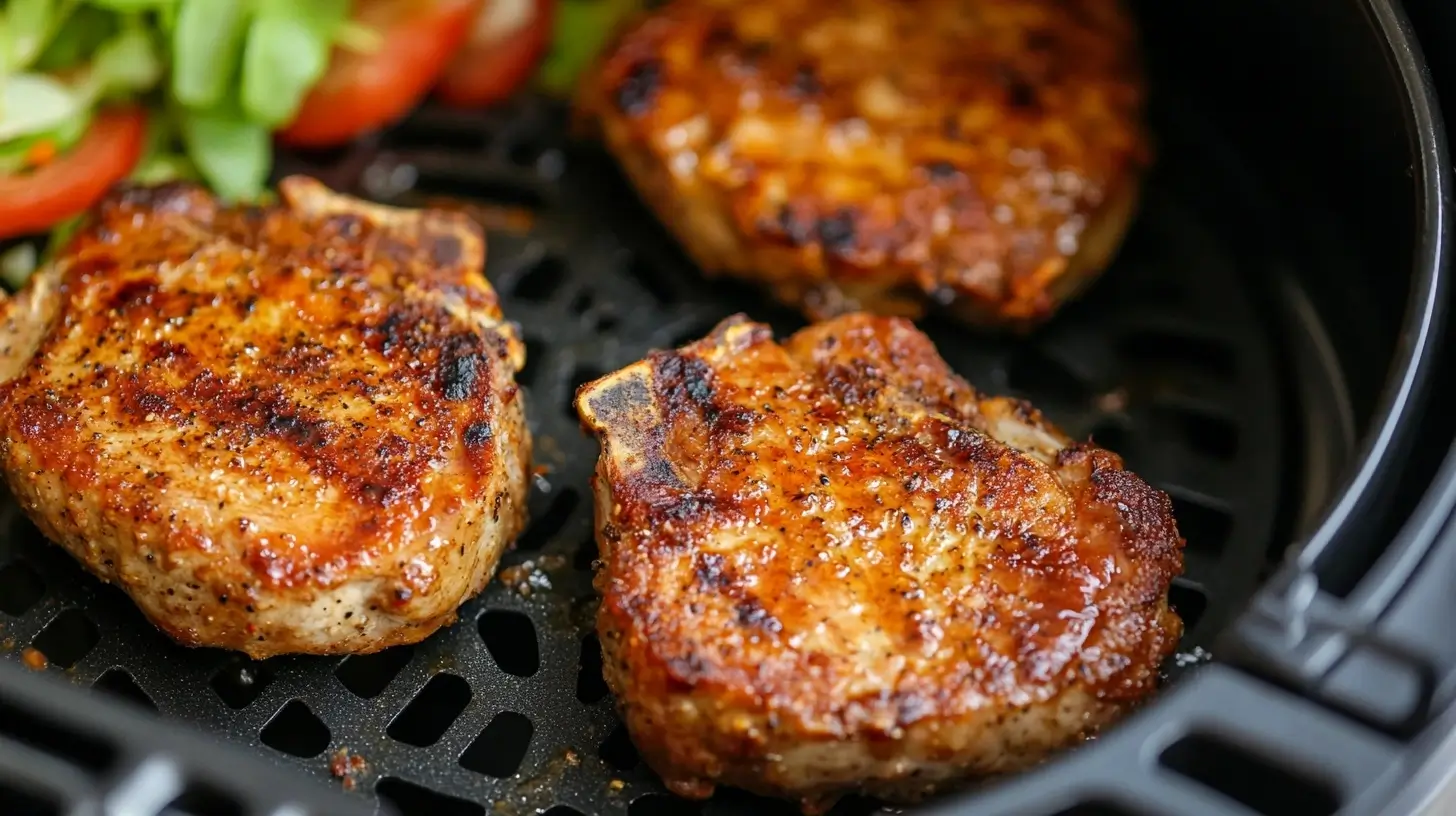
{"x": 1425, "y": 314}
{"x": 1280, "y": 614}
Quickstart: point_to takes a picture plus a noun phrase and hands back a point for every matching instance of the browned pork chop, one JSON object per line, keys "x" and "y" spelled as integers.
{"x": 832, "y": 565}
{"x": 984, "y": 155}
{"x": 281, "y": 429}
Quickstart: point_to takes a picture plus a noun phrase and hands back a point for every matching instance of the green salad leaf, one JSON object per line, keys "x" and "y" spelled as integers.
{"x": 35, "y": 103}
{"x": 135, "y": 6}
{"x": 231, "y": 152}
{"x": 164, "y": 167}
{"x": 581, "y": 30}
{"x": 163, "y": 156}
{"x": 14, "y": 152}
{"x": 81, "y": 33}
{"x": 25, "y": 28}
{"x": 287, "y": 51}
{"x": 205, "y": 45}
{"x": 127, "y": 62}
{"x": 325, "y": 17}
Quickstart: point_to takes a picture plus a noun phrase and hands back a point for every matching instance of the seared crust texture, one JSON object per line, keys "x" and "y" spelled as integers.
{"x": 283, "y": 429}
{"x": 983, "y": 155}
{"x": 832, "y": 565}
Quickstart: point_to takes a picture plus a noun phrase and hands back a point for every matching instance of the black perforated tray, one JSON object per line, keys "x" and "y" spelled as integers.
{"x": 1171, "y": 361}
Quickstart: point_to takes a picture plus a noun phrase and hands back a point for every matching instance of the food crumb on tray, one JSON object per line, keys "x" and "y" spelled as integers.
{"x": 346, "y": 767}
{"x": 531, "y": 576}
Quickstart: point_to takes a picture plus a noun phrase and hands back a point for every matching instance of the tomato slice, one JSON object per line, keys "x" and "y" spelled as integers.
{"x": 508, "y": 39}
{"x": 70, "y": 183}
{"x": 362, "y": 92}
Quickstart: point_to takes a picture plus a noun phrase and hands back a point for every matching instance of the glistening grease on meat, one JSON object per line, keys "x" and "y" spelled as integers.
{"x": 291, "y": 428}
{"x": 978, "y": 155}
{"x": 831, "y": 565}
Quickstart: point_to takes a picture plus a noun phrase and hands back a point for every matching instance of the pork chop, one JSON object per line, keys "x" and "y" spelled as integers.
{"x": 831, "y": 565}
{"x": 980, "y": 155}
{"x": 291, "y": 428}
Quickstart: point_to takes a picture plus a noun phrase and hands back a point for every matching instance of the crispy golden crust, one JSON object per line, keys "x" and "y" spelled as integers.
{"x": 831, "y": 565}
{"x": 858, "y": 154}
{"x": 282, "y": 429}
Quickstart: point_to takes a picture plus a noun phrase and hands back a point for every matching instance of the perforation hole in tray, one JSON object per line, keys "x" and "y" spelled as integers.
{"x": 590, "y": 685}
{"x": 658, "y": 285}
{"x": 20, "y": 588}
{"x": 535, "y": 352}
{"x": 1189, "y": 600}
{"x": 499, "y": 749}
{"x": 581, "y": 302}
{"x": 408, "y": 798}
{"x": 732, "y": 802}
{"x": 1139, "y": 279}
{"x": 296, "y": 730}
{"x": 532, "y": 155}
{"x": 855, "y": 806}
{"x": 1203, "y": 433}
{"x": 541, "y": 280}
{"x": 119, "y": 683}
{"x": 368, "y": 675}
{"x": 439, "y": 138}
{"x": 67, "y": 638}
{"x": 58, "y": 739}
{"x": 605, "y": 320}
{"x": 548, "y": 522}
{"x": 1033, "y": 371}
{"x": 239, "y": 681}
{"x": 510, "y": 637}
{"x": 1112, "y": 433}
{"x": 1205, "y": 526}
{"x": 431, "y": 713}
{"x": 618, "y": 751}
{"x": 1174, "y": 358}
{"x": 586, "y": 552}
{"x": 15, "y": 801}
{"x": 1262, "y": 783}
{"x": 1096, "y": 809}
{"x": 203, "y": 800}
{"x": 661, "y": 804}
{"x": 451, "y": 181}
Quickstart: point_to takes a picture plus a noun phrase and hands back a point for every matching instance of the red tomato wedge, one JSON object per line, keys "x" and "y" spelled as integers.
{"x": 363, "y": 92}
{"x": 508, "y": 39}
{"x": 71, "y": 182}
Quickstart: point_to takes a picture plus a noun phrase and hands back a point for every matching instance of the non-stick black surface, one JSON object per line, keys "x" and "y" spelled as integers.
{"x": 1189, "y": 358}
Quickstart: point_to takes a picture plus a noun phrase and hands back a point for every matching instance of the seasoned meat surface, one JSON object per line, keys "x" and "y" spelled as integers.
{"x": 281, "y": 429}
{"x": 858, "y": 154}
{"x": 832, "y": 565}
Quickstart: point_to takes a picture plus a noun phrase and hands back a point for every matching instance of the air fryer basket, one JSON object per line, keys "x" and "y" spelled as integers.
{"x": 1238, "y": 355}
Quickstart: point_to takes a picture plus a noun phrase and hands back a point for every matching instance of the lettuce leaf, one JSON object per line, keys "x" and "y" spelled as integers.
{"x": 13, "y": 153}
{"x": 128, "y": 62}
{"x": 26, "y": 26}
{"x": 205, "y": 46}
{"x": 287, "y": 52}
{"x": 77, "y": 38}
{"x": 232, "y": 153}
{"x": 36, "y": 103}
{"x": 582, "y": 29}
